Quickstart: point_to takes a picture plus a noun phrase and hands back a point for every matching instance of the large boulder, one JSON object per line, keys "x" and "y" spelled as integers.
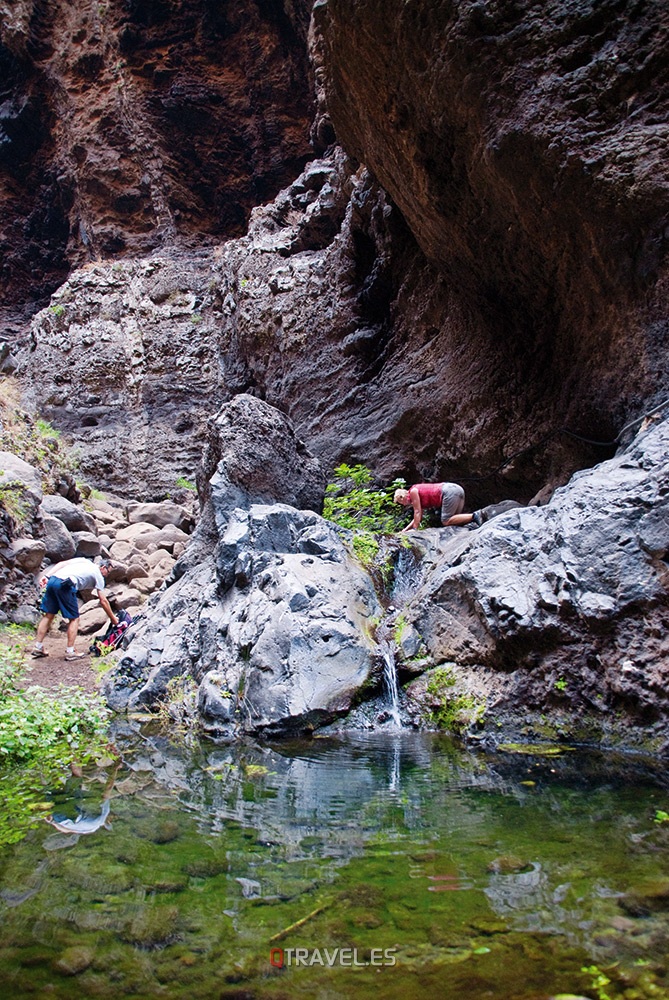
{"x": 20, "y": 487}
{"x": 559, "y": 612}
{"x": 74, "y": 518}
{"x": 276, "y": 630}
{"x": 266, "y": 610}
{"x": 59, "y": 543}
{"x": 253, "y": 453}
{"x": 14, "y": 470}
{"x": 161, "y": 514}
{"x": 27, "y": 553}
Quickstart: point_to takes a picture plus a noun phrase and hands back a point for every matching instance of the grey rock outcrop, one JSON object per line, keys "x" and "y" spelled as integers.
{"x": 74, "y": 517}
{"x": 265, "y": 611}
{"x": 275, "y": 630}
{"x": 59, "y": 543}
{"x": 562, "y": 610}
{"x": 253, "y": 454}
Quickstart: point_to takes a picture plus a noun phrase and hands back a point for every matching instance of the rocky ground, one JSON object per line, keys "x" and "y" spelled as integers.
{"x": 143, "y": 541}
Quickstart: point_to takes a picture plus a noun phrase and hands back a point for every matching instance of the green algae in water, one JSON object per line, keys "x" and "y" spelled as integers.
{"x": 387, "y": 867}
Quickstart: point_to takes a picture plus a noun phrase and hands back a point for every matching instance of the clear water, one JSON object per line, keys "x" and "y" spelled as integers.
{"x": 392, "y": 866}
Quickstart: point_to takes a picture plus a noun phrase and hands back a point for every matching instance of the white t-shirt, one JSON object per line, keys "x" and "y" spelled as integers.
{"x": 83, "y": 573}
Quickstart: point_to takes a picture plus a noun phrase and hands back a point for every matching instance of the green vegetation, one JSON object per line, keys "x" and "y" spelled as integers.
{"x": 185, "y": 484}
{"x": 13, "y": 502}
{"x": 57, "y": 310}
{"x": 451, "y": 711}
{"x": 365, "y": 547}
{"x": 560, "y": 685}
{"x": 661, "y": 816}
{"x": 41, "y": 735}
{"x": 400, "y": 625}
{"x": 351, "y": 502}
{"x": 599, "y": 981}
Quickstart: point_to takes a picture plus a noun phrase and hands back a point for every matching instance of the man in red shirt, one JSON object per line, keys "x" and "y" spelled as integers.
{"x": 448, "y": 497}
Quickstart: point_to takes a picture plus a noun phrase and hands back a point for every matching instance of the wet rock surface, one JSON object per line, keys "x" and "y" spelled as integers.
{"x": 562, "y": 609}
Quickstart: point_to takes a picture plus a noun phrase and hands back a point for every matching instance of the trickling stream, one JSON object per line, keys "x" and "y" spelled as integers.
{"x": 386, "y": 644}
{"x": 406, "y": 579}
{"x": 390, "y": 865}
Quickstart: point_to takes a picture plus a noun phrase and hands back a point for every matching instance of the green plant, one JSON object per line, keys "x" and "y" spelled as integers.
{"x": 560, "y": 685}
{"x": 196, "y": 318}
{"x": 365, "y": 547}
{"x": 41, "y": 734}
{"x": 661, "y": 816}
{"x": 599, "y": 981}
{"x": 450, "y": 711}
{"x": 13, "y": 501}
{"x": 352, "y": 502}
{"x": 400, "y": 625}
{"x": 185, "y": 484}
{"x": 46, "y": 431}
{"x": 57, "y": 310}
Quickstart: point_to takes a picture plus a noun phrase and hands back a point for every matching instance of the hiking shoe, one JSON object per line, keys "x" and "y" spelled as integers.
{"x": 478, "y": 518}
{"x": 74, "y": 656}
{"x": 37, "y": 654}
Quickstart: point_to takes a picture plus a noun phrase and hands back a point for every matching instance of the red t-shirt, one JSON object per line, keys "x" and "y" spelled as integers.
{"x": 429, "y": 493}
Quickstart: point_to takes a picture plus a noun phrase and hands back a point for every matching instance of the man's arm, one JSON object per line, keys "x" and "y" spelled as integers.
{"x": 106, "y": 606}
{"x": 414, "y": 496}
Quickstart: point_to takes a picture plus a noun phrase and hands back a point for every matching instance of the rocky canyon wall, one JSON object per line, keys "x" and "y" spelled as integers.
{"x": 127, "y": 125}
{"x": 489, "y": 283}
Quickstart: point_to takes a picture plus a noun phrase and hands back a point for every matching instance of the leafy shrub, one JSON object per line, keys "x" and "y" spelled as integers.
{"x": 33, "y": 721}
{"x": 41, "y": 734}
{"x": 352, "y": 502}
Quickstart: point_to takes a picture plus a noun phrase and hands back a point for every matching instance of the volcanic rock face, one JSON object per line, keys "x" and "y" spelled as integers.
{"x": 128, "y": 124}
{"x": 512, "y": 301}
{"x": 523, "y": 144}
{"x": 564, "y": 608}
{"x": 328, "y": 310}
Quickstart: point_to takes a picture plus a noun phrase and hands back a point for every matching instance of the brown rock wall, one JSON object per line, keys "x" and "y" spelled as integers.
{"x": 523, "y": 144}
{"x": 131, "y": 125}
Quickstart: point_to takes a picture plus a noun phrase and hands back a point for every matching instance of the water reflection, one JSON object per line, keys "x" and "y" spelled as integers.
{"x": 400, "y": 840}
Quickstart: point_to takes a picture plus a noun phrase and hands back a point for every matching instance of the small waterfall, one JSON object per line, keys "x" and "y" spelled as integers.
{"x": 387, "y": 648}
{"x": 405, "y": 581}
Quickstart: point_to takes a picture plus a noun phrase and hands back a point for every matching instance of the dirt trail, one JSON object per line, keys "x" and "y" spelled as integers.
{"x": 54, "y": 669}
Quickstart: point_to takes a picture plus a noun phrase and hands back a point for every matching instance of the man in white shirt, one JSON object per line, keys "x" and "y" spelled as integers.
{"x": 62, "y": 583}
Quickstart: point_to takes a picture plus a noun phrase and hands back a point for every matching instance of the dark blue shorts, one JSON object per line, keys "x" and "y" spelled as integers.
{"x": 60, "y": 595}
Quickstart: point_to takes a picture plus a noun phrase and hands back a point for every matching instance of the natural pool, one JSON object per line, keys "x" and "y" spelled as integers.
{"x": 398, "y": 864}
